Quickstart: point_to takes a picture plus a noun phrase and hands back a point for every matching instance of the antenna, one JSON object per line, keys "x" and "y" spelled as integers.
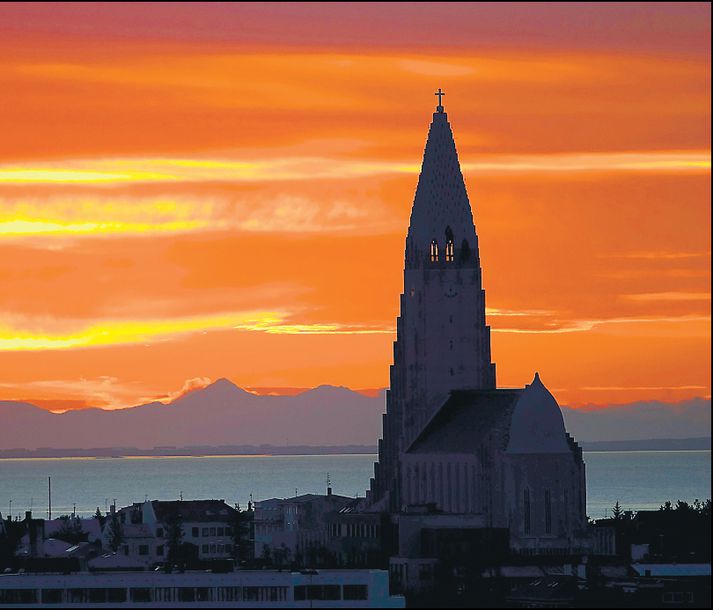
{"x": 49, "y": 498}
{"x": 181, "y": 496}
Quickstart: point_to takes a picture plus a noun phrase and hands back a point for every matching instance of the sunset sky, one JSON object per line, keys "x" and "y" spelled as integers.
{"x": 189, "y": 192}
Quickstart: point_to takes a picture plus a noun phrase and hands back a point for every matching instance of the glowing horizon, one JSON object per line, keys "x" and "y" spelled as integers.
{"x": 196, "y": 192}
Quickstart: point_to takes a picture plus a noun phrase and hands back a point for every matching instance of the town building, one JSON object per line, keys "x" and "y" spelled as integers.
{"x": 296, "y": 529}
{"x": 206, "y": 525}
{"x": 239, "y": 589}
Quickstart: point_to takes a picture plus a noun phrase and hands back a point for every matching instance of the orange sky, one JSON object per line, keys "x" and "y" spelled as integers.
{"x": 193, "y": 192}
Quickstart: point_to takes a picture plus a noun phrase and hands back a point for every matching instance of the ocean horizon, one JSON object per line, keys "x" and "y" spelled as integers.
{"x": 638, "y": 480}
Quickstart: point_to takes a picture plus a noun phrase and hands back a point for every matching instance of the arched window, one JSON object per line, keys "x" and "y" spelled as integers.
{"x": 527, "y": 511}
{"x": 450, "y": 252}
{"x": 465, "y": 250}
{"x": 434, "y": 251}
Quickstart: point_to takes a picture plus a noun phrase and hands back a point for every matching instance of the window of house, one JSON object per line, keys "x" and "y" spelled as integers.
{"x": 141, "y": 595}
{"x": 356, "y": 592}
{"x": 220, "y": 531}
{"x": 159, "y": 550}
{"x": 116, "y": 595}
{"x": 52, "y": 596}
{"x": 206, "y": 532}
{"x": 212, "y": 531}
{"x": 159, "y": 532}
{"x": 143, "y": 549}
{"x": 195, "y": 532}
{"x": 205, "y": 548}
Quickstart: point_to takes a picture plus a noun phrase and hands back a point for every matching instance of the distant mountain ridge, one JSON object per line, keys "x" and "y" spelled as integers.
{"x": 224, "y": 414}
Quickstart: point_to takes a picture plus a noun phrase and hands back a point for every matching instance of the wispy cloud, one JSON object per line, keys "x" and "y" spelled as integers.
{"x": 79, "y": 216}
{"x": 173, "y": 170}
{"x": 669, "y": 296}
{"x": 558, "y": 326}
{"x": 41, "y": 334}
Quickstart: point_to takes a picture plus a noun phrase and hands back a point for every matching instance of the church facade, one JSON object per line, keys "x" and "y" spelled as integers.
{"x": 454, "y": 445}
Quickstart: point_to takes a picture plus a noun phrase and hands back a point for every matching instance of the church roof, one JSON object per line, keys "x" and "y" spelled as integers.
{"x": 537, "y": 422}
{"x": 441, "y": 200}
{"x": 527, "y": 420}
{"x": 466, "y": 419}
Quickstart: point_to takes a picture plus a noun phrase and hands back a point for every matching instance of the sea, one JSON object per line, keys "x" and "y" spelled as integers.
{"x": 638, "y": 480}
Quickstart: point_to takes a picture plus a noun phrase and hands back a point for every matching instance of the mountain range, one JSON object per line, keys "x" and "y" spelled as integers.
{"x": 224, "y": 414}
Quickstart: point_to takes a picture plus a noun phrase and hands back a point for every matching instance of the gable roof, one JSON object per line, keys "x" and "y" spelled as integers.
{"x": 193, "y": 510}
{"x": 466, "y": 419}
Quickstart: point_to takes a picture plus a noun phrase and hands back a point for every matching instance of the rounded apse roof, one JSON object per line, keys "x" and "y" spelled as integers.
{"x": 537, "y": 424}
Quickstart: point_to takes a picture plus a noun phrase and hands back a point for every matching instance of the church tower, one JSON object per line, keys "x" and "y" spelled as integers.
{"x": 442, "y": 342}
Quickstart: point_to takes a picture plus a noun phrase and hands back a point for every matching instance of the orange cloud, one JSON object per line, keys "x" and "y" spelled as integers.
{"x": 159, "y": 190}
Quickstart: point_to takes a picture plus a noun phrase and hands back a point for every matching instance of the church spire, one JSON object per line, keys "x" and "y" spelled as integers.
{"x": 441, "y": 209}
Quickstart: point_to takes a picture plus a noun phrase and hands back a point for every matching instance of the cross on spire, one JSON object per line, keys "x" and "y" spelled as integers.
{"x": 440, "y": 94}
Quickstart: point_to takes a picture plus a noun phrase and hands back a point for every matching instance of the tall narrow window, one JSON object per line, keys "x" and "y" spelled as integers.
{"x": 450, "y": 252}
{"x": 527, "y": 511}
{"x": 548, "y": 512}
{"x": 434, "y": 251}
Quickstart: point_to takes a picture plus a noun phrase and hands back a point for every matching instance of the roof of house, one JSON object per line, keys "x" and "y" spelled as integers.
{"x": 192, "y": 510}
{"x": 672, "y": 569}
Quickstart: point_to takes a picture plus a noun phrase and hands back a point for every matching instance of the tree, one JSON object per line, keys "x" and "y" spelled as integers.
{"x": 10, "y": 535}
{"x": 240, "y": 523}
{"x": 115, "y": 535}
{"x": 282, "y": 556}
{"x": 174, "y": 535}
{"x": 99, "y": 517}
{"x": 617, "y": 512}
{"x": 71, "y": 530}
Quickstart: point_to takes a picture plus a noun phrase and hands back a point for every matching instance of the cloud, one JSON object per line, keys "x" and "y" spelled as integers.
{"x": 65, "y": 394}
{"x": 107, "y": 215}
{"x": 558, "y": 326}
{"x": 140, "y": 170}
{"x": 42, "y": 334}
{"x": 669, "y": 296}
{"x": 190, "y": 385}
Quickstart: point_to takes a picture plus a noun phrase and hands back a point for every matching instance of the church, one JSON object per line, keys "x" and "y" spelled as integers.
{"x": 458, "y": 452}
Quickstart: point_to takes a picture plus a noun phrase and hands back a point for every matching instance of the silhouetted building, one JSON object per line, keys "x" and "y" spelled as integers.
{"x": 478, "y": 456}
{"x": 296, "y": 530}
{"x": 206, "y": 525}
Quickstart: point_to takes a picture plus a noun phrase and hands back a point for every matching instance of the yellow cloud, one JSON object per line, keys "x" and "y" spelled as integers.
{"x": 121, "y": 332}
{"x": 151, "y": 170}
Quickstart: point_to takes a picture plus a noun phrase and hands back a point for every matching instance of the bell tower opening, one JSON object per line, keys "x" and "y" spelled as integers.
{"x": 450, "y": 249}
{"x": 434, "y": 251}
